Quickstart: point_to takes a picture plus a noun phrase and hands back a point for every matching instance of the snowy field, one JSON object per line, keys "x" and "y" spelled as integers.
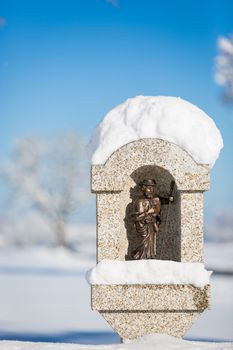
{"x": 150, "y": 342}
{"x": 44, "y": 297}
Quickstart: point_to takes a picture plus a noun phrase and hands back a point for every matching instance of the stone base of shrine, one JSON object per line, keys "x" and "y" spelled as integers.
{"x": 136, "y": 310}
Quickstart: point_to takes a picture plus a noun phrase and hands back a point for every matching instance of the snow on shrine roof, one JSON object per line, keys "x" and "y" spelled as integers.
{"x": 163, "y": 117}
{"x": 148, "y": 272}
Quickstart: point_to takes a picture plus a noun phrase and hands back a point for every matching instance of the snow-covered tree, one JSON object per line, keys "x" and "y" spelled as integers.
{"x": 49, "y": 177}
{"x": 224, "y": 66}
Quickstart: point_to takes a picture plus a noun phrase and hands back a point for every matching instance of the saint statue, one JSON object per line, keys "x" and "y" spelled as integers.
{"x": 147, "y": 219}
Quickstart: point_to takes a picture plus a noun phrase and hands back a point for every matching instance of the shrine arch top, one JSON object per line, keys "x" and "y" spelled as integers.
{"x": 189, "y": 175}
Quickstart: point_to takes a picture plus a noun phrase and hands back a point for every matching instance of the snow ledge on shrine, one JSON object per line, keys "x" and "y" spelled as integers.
{"x": 163, "y": 117}
{"x": 148, "y": 272}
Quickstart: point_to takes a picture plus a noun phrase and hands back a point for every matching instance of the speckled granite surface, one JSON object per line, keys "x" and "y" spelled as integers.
{"x": 122, "y": 163}
{"x": 134, "y": 324}
{"x": 173, "y": 297}
{"x": 141, "y": 309}
{"x": 116, "y": 186}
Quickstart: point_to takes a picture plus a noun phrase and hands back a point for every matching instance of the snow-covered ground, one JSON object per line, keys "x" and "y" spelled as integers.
{"x": 150, "y": 342}
{"x": 219, "y": 257}
{"x": 44, "y": 295}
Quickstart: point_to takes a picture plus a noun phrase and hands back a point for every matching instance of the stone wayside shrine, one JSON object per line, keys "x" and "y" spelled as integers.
{"x": 151, "y": 161}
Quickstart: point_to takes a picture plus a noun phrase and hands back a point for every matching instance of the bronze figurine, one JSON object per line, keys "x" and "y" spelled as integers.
{"x": 147, "y": 219}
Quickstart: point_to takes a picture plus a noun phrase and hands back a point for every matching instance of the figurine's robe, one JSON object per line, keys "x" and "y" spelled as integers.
{"x": 147, "y": 225}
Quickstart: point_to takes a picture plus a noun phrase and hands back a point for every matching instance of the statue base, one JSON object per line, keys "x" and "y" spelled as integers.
{"x": 136, "y": 310}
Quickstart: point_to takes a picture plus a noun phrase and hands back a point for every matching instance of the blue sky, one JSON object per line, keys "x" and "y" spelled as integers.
{"x": 65, "y": 63}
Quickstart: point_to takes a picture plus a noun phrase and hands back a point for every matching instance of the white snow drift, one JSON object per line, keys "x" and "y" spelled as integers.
{"x": 162, "y": 117}
{"x": 148, "y": 342}
{"x": 148, "y": 272}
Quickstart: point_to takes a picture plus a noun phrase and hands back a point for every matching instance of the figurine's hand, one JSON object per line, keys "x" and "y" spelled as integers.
{"x": 148, "y": 220}
{"x": 171, "y": 199}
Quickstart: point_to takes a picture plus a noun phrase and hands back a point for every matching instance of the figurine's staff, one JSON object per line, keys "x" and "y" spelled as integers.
{"x": 168, "y": 209}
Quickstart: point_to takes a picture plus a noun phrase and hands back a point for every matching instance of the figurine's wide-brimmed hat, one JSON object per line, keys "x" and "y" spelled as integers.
{"x": 148, "y": 182}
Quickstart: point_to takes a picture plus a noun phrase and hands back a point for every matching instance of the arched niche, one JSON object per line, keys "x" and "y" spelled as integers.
{"x": 114, "y": 184}
{"x": 168, "y": 239}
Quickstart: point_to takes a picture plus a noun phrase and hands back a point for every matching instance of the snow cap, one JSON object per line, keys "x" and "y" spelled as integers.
{"x": 163, "y": 117}
{"x": 148, "y": 271}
